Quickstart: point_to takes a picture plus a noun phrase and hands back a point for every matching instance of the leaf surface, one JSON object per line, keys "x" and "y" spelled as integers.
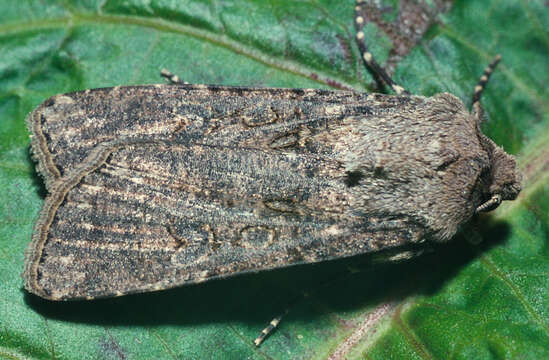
{"x": 463, "y": 301}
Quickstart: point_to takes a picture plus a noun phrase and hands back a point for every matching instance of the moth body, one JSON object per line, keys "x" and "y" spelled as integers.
{"x": 152, "y": 187}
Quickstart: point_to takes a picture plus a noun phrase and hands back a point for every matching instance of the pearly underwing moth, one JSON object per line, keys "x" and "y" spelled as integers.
{"x": 156, "y": 186}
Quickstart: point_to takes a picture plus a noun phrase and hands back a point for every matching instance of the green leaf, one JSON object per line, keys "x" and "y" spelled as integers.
{"x": 462, "y": 301}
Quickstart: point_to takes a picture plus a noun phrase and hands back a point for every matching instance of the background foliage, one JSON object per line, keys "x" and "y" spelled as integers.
{"x": 463, "y": 301}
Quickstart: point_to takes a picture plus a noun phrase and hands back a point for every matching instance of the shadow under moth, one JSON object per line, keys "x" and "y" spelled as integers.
{"x": 156, "y": 186}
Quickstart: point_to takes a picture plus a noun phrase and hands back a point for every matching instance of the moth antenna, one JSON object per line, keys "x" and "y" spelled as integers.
{"x": 479, "y": 88}
{"x": 172, "y": 78}
{"x": 379, "y": 73}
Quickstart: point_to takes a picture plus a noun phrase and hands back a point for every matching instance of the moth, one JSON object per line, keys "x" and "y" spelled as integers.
{"x": 157, "y": 186}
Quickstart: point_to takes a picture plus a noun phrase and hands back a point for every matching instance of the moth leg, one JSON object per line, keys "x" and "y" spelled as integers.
{"x": 269, "y": 329}
{"x": 379, "y": 73}
{"x": 479, "y": 88}
{"x": 301, "y": 297}
{"x": 172, "y": 78}
{"x": 490, "y": 204}
{"x": 275, "y": 321}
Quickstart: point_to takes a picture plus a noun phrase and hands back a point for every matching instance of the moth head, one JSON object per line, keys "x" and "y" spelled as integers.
{"x": 505, "y": 178}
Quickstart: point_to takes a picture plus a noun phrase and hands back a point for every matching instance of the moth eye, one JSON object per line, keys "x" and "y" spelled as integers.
{"x": 511, "y": 190}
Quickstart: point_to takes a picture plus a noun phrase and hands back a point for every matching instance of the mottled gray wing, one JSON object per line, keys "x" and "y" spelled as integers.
{"x": 244, "y": 192}
{"x": 65, "y": 128}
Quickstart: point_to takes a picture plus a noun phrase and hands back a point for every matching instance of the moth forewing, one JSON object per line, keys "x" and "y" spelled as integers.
{"x": 192, "y": 183}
